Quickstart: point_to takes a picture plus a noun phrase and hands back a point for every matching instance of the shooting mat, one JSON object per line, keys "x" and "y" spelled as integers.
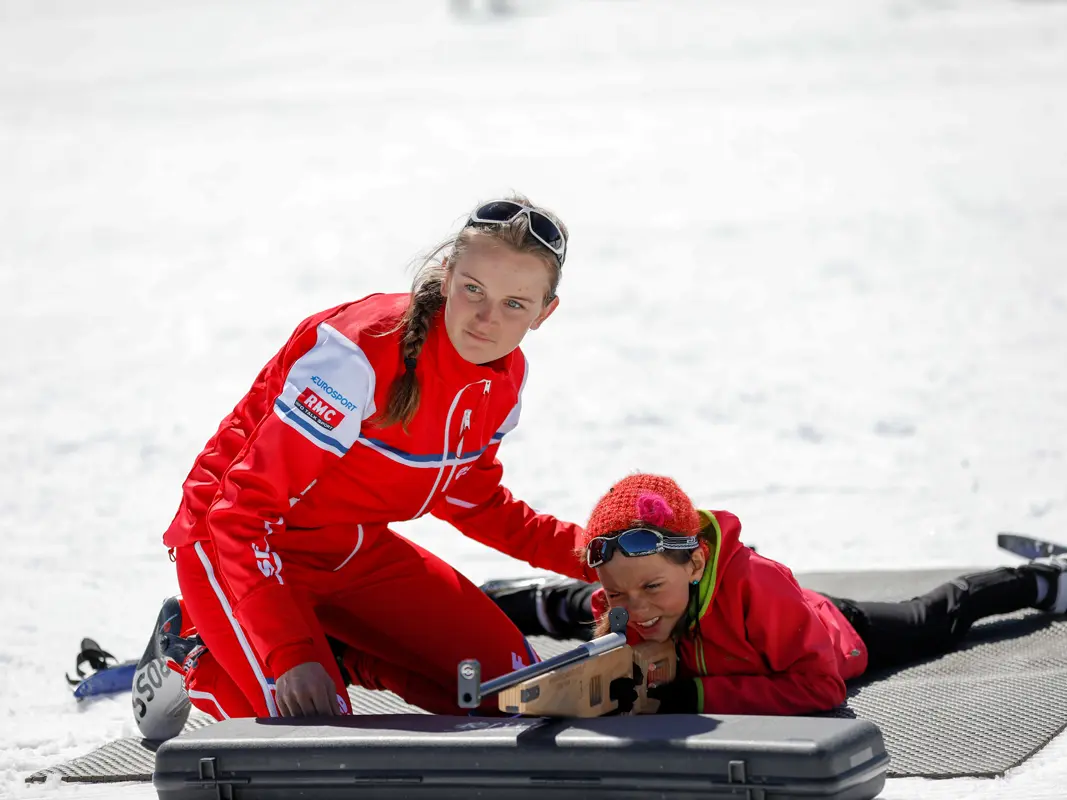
{"x": 976, "y": 712}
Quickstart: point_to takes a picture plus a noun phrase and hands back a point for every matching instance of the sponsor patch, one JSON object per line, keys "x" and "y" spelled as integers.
{"x": 329, "y": 391}
{"x": 318, "y": 410}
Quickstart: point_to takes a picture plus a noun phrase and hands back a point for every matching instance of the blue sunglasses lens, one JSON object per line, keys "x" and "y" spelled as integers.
{"x": 631, "y": 543}
{"x": 639, "y": 543}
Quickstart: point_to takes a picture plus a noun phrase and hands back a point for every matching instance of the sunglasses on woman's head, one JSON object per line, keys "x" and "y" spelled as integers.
{"x": 542, "y": 227}
{"x": 634, "y": 542}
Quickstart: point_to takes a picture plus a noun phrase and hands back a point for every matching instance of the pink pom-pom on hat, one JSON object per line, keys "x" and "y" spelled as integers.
{"x": 653, "y": 509}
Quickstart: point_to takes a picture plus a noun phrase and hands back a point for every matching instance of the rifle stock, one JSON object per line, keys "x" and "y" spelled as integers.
{"x": 657, "y": 663}
{"x": 471, "y": 690}
{"x": 582, "y": 689}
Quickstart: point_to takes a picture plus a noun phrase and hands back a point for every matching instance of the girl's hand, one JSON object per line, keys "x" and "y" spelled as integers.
{"x": 677, "y": 697}
{"x": 306, "y": 690}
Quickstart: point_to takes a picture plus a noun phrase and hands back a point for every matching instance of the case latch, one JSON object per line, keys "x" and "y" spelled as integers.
{"x": 207, "y": 771}
{"x": 737, "y": 774}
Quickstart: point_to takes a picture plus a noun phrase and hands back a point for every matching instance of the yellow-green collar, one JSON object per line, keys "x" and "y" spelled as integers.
{"x": 706, "y": 588}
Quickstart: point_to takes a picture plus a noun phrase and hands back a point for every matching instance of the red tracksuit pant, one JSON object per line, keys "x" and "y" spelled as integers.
{"x": 406, "y": 616}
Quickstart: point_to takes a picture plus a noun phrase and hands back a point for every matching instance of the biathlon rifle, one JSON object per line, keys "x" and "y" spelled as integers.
{"x": 577, "y": 683}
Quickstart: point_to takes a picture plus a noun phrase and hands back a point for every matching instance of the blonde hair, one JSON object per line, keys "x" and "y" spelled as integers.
{"x": 427, "y": 299}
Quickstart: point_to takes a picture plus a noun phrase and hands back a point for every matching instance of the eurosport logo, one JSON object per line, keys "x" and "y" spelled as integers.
{"x": 321, "y": 413}
{"x": 329, "y": 391}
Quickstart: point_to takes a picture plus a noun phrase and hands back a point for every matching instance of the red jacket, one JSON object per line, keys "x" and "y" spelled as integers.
{"x": 296, "y": 454}
{"x": 759, "y": 643}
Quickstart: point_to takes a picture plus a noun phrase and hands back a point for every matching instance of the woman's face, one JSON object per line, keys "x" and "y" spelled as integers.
{"x": 653, "y": 589}
{"x": 493, "y": 296}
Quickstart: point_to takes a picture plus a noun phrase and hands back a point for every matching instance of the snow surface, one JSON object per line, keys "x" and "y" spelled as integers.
{"x": 817, "y": 274}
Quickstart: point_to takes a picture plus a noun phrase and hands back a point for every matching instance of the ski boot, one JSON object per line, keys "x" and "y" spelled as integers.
{"x": 160, "y": 703}
{"x": 545, "y": 606}
{"x": 1051, "y": 574}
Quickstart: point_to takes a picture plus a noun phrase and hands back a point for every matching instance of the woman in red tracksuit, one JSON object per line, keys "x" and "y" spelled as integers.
{"x": 374, "y": 411}
{"x": 750, "y": 639}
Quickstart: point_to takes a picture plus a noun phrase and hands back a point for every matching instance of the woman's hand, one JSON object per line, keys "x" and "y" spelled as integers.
{"x": 306, "y": 690}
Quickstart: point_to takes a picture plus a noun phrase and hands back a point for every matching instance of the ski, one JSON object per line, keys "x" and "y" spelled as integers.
{"x": 1028, "y": 546}
{"x": 107, "y": 681}
{"x": 108, "y": 675}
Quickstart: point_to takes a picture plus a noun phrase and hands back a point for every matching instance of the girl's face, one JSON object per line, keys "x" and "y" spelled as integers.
{"x": 653, "y": 589}
{"x": 493, "y": 296}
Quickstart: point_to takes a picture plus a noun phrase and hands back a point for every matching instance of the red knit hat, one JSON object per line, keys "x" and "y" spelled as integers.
{"x": 644, "y": 498}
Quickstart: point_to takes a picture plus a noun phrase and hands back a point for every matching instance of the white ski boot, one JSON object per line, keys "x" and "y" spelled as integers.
{"x": 160, "y": 703}
{"x": 1051, "y": 571}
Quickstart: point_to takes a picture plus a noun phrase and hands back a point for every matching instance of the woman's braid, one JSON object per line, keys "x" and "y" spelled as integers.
{"x": 426, "y": 302}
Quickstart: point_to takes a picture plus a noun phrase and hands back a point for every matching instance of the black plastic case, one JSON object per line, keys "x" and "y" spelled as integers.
{"x": 620, "y": 757}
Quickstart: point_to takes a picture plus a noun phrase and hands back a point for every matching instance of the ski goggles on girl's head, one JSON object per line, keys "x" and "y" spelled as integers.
{"x": 542, "y": 227}
{"x": 635, "y": 542}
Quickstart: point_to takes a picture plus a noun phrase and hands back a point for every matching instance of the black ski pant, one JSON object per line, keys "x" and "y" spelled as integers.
{"x": 900, "y": 633}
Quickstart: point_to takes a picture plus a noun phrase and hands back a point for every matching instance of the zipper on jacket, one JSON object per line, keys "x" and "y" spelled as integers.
{"x": 459, "y": 446}
{"x": 463, "y": 427}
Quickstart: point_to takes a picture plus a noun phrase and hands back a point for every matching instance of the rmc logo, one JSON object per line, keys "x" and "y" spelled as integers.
{"x": 321, "y": 412}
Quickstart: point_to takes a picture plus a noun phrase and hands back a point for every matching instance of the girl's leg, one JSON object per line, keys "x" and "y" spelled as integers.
{"x": 409, "y": 621}
{"x": 546, "y": 606}
{"x": 230, "y": 679}
{"x": 933, "y": 624}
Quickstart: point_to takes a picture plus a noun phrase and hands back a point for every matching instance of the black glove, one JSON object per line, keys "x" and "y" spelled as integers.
{"x": 677, "y": 697}
{"x": 624, "y": 690}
